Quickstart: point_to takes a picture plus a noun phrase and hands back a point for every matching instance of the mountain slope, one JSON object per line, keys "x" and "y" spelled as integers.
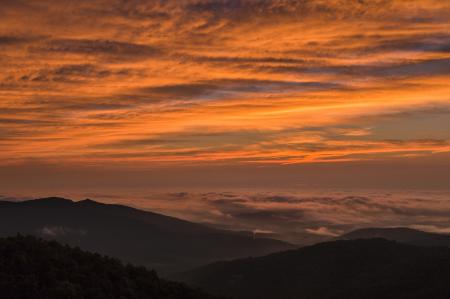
{"x": 158, "y": 241}
{"x": 400, "y": 234}
{"x": 36, "y": 269}
{"x": 374, "y": 268}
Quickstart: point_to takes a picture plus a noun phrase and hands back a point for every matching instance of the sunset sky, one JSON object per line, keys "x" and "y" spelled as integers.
{"x": 198, "y": 92}
{"x": 111, "y": 94}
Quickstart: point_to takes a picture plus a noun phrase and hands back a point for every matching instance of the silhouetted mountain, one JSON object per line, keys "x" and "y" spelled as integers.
{"x": 36, "y": 269}
{"x": 400, "y": 234}
{"x": 136, "y": 236}
{"x": 370, "y": 269}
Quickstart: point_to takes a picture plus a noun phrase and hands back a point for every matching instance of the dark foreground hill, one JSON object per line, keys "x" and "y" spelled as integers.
{"x": 369, "y": 269}
{"x": 400, "y": 234}
{"x": 154, "y": 240}
{"x": 36, "y": 269}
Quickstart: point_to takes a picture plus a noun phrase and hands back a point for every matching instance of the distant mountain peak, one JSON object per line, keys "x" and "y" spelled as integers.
{"x": 400, "y": 234}
{"x": 89, "y": 201}
{"x": 137, "y": 236}
{"x": 373, "y": 232}
{"x": 52, "y": 199}
{"x": 390, "y": 228}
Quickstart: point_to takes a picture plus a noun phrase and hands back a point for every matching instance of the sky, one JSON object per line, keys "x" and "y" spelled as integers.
{"x": 260, "y": 95}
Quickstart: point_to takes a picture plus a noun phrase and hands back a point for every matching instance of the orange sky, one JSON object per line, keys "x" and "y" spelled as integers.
{"x": 244, "y": 83}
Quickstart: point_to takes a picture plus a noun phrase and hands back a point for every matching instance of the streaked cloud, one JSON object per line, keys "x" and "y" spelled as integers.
{"x": 235, "y": 81}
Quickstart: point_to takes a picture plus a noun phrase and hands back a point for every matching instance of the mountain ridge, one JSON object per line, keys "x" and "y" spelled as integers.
{"x": 142, "y": 237}
{"x": 362, "y": 268}
{"x": 401, "y": 234}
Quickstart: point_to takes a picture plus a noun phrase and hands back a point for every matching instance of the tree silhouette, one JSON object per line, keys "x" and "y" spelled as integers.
{"x": 31, "y": 268}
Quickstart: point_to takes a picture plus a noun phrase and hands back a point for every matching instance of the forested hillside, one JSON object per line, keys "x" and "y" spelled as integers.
{"x": 31, "y": 268}
{"x": 369, "y": 269}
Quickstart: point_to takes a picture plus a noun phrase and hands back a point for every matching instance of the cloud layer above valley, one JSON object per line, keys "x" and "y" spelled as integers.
{"x": 301, "y": 217}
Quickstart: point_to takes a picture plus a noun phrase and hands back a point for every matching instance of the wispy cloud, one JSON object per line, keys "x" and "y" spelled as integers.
{"x": 243, "y": 81}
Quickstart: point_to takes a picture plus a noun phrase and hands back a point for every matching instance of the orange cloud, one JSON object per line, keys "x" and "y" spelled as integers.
{"x": 240, "y": 81}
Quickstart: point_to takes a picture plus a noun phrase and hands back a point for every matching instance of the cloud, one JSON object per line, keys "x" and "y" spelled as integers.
{"x": 59, "y": 231}
{"x": 323, "y": 231}
{"x": 302, "y": 217}
{"x": 236, "y": 9}
{"x": 11, "y": 40}
{"x": 248, "y": 60}
{"x": 117, "y": 50}
{"x": 242, "y": 82}
{"x": 436, "y": 67}
{"x": 270, "y": 215}
{"x": 227, "y": 88}
{"x": 73, "y": 74}
{"x": 17, "y": 121}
